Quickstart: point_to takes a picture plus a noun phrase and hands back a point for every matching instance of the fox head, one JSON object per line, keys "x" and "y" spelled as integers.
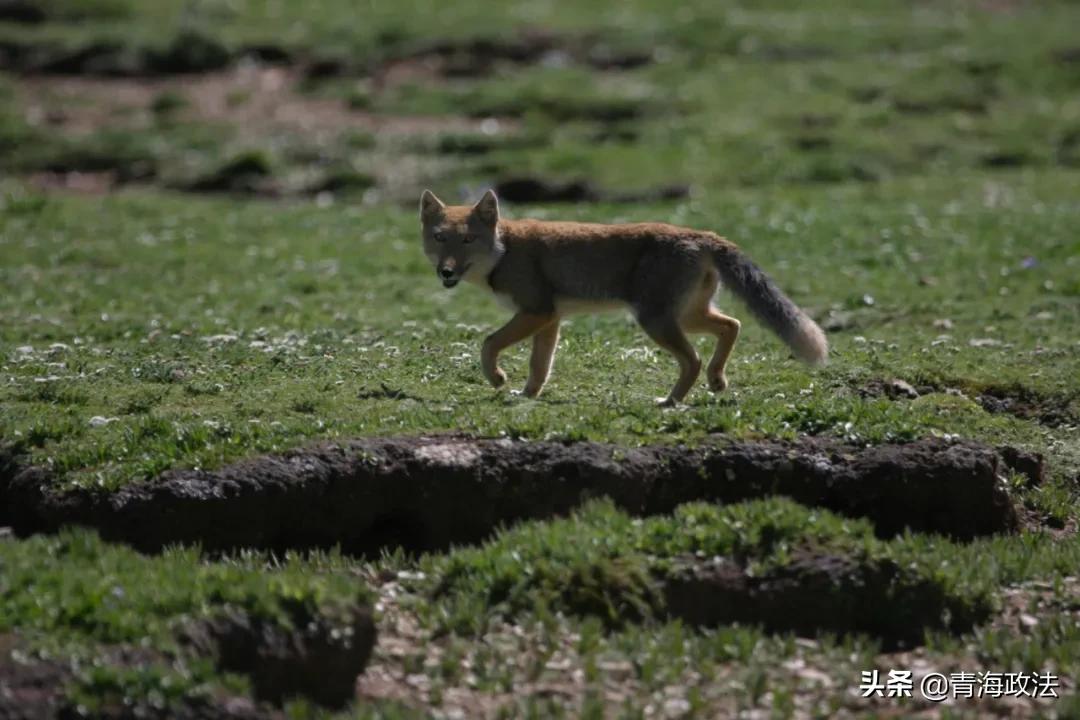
{"x": 461, "y": 241}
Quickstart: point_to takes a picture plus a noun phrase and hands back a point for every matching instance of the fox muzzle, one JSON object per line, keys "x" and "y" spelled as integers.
{"x": 449, "y": 276}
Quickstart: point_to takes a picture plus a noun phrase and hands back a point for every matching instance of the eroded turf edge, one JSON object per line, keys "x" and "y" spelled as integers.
{"x": 428, "y": 493}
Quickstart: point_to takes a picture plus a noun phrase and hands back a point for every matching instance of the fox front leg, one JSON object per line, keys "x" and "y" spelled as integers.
{"x": 520, "y": 327}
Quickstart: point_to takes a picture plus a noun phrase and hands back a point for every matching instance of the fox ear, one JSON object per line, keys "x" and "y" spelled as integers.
{"x": 431, "y": 207}
{"x": 488, "y": 208}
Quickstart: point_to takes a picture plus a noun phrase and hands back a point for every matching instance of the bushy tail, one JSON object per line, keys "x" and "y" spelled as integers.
{"x": 769, "y": 304}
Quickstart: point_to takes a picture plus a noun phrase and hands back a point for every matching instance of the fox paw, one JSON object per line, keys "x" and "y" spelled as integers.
{"x": 531, "y": 391}
{"x": 497, "y": 378}
{"x": 718, "y": 383}
{"x": 666, "y": 402}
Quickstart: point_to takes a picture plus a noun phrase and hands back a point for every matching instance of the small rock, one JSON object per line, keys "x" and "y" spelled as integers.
{"x": 449, "y": 454}
{"x": 99, "y": 421}
{"x": 897, "y": 388}
{"x": 838, "y": 320}
{"x": 676, "y": 707}
{"x": 984, "y": 342}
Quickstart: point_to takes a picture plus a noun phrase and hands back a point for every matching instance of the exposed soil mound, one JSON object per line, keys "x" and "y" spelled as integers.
{"x": 314, "y": 660}
{"x": 1049, "y": 410}
{"x": 817, "y": 593}
{"x": 428, "y": 493}
{"x": 1052, "y": 410}
{"x": 22, "y": 11}
{"x": 36, "y": 690}
{"x": 186, "y": 52}
{"x": 30, "y": 691}
{"x": 246, "y": 173}
{"x": 538, "y": 190}
{"x": 479, "y": 56}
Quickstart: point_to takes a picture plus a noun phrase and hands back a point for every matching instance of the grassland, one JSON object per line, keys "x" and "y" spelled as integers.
{"x": 202, "y": 331}
{"x": 238, "y": 271}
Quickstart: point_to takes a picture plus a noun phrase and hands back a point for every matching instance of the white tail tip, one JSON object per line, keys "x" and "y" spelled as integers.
{"x": 809, "y": 342}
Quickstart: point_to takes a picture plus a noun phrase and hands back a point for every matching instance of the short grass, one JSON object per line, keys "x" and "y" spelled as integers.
{"x": 604, "y": 564}
{"x": 908, "y": 173}
{"x": 510, "y": 617}
{"x": 889, "y": 92}
{"x": 88, "y": 604}
{"x": 144, "y": 332}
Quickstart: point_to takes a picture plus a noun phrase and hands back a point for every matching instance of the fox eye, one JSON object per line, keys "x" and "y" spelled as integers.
{"x": 468, "y": 239}
{"x": 440, "y": 237}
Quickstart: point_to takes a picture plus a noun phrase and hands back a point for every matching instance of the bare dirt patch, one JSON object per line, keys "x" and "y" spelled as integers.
{"x": 186, "y": 131}
{"x": 480, "y": 57}
{"x": 29, "y": 690}
{"x": 1024, "y": 608}
{"x": 545, "y": 670}
{"x": 9, "y": 467}
{"x": 186, "y": 51}
{"x": 313, "y": 660}
{"x": 1067, "y": 56}
{"x": 816, "y": 593}
{"x": 552, "y": 670}
{"x": 261, "y": 99}
{"x": 909, "y": 106}
{"x": 314, "y": 657}
{"x": 36, "y": 689}
{"x": 81, "y": 183}
{"x": 22, "y": 11}
{"x": 1026, "y": 404}
{"x": 537, "y": 190}
{"x": 1052, "y": 410}
{"x": 429, "y": 493}
{"x": 1027, "y": 605}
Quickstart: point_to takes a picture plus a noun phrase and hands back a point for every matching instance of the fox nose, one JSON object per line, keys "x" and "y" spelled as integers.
{"x": 446, "y": 273}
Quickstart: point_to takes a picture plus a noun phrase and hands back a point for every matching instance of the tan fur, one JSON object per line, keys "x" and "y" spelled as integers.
{"x": 666, "y": 275}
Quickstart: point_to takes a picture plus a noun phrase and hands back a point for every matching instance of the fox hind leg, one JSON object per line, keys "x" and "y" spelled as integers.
{"x": 666, "y": 332}
{"x": 543, "y": 353}
{"x": 664, "y": 285}
{"x": 726, "y": 331}
{"x": 701, "y": 317}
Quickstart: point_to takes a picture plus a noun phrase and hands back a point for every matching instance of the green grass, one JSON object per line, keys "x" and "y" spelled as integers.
{"x": 104, "y": 593}
{"x": 890, "y": 92}
{"x": 204, "y": 331}
{"x": 604, "y": 564}
{"x": 77, "y": 600}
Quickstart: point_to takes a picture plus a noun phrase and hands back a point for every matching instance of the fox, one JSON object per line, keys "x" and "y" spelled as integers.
{"x": 665, "y": 275}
